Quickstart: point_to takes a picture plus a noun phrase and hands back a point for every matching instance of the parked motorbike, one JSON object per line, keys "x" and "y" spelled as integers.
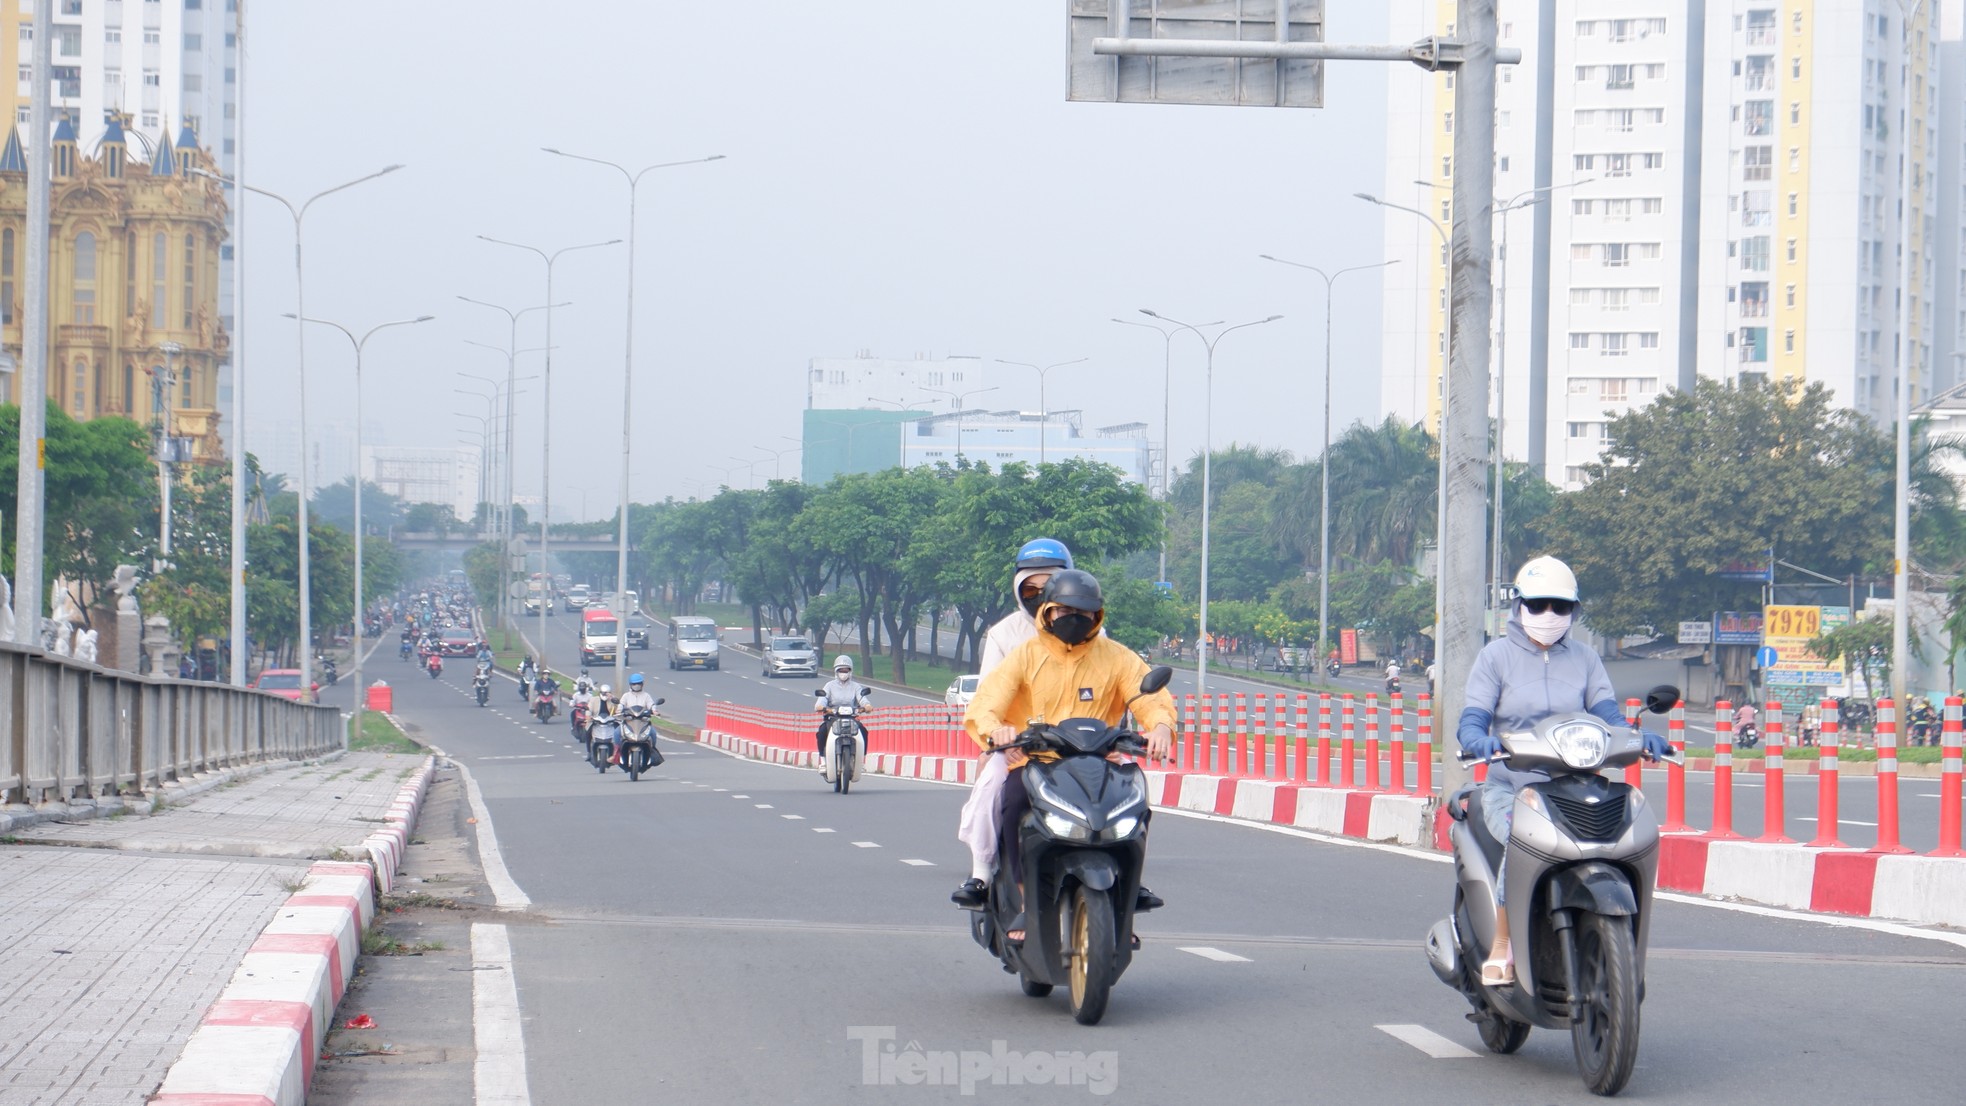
{"x": 481, "y": 685}
{"x": 846, "y": 748}
{"x": 1579, "y": 896}
{"x": 1084, "y": 841}
{"x": 434, "y": 666}
{"x": 602, "y": 738}
{"x": 638, "y": 751}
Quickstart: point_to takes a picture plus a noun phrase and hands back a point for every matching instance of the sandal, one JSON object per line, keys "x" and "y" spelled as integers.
{"x": 1499, "y": 971}
{"x": 1014, "y": 933}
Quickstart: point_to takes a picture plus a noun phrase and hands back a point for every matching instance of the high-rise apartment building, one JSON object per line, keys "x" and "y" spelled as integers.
{"x": 1708, "y": 188}
{"x": 164, "y": 64}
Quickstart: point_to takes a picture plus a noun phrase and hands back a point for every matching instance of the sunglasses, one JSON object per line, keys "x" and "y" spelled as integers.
{"x": 1541, "y": 606}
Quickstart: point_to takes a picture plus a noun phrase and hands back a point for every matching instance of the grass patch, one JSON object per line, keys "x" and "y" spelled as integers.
{"x": 378, "y": 735}
{"x": 293, "y": 884}
{"x": 1916, "y": 754}
{"x": 377, "y": 943}
{"x": 407, "y": 899}
{"x": 9, "y": 839}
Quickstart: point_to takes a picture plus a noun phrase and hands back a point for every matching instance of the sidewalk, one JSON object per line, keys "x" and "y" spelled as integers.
{"x": 120, "y": 932}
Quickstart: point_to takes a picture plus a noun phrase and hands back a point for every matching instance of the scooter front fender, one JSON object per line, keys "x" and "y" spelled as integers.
{"x": 1096, "y": 870}
{"x": 1594, "y": 886}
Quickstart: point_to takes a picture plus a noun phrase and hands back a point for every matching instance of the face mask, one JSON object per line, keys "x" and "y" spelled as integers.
{"x": 1030, "y": 603}
{"x": 1072, "y": 629}
{"x": 1547, "y": 628}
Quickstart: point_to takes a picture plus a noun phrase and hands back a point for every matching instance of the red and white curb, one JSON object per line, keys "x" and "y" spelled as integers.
{"x": 1368, "y": 815}
{"x": 259, "y": 1042}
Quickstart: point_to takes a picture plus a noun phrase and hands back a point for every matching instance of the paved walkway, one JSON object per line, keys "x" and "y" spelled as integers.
{"x": 113, "y": 941}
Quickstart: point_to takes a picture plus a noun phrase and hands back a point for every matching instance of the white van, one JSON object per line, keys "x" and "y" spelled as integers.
{"x": 693, "y": 642}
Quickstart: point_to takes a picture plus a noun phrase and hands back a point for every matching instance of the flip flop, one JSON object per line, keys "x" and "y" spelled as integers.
{"x": 1017, "y": 925}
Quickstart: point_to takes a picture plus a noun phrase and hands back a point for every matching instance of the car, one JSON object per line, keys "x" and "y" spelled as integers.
{"x": 790, "y": 656}
{"x": 458, "y": 643}
{"x": 576, "y": 597}
{"x": 284, "y": 682}
{"x": 638, "y": 632}
{"x": 962, "y": 691}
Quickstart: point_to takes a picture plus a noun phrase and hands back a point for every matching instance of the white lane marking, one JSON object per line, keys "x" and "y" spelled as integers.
{"x": 762, "y": 806}
{"x": 498, "y": 1075}
{"x": 1207, "y": 953}
{"x": 522, "y": 756}
{"x": 1427, "y": 1041}
{"x": 866, "y": 845}
{"x": 920, "y": 863}
{"x": 505, "y": 893}
{"x": 720, "y": 789}
{"x": 740, "y": 796}
{"x": 821, "y": 829}
{"x": 1840, "y": 821}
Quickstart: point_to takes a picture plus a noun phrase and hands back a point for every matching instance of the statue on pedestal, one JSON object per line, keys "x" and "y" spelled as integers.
{"x": 59, "y": 632}
{"x": 6, "y": 610}
{"x": 85, "y": 646}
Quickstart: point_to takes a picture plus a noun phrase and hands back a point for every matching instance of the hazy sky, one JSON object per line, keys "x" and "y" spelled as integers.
{"x": 902, "y": 176}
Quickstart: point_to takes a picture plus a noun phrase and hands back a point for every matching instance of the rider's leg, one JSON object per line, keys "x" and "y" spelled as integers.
{"x": 819, "y": 741}
{"x": 978, "y": 829}
{"x": 1010, "y": 813}
{"x": 1498, "y": 814}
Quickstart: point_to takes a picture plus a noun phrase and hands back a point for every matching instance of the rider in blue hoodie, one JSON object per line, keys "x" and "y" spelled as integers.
{"x": 1531, "y": 672}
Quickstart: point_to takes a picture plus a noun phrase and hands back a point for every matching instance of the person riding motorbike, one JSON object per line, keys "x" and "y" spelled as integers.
{"x": 485, "y": 657}
{"x": 1068, "y": 670}
{"x": 842, "y": 691}
{"x": 526, "y": 673}
{"x": 1036, "y": 561}
{"x": 1392, "y": 677}
{"x": 1922, "y": 721}
{"x": 635, "y": 697}
{"x": 435, "y": 664}
{"x": 1747, "y": 731}
{"x": 1531, "y": 672}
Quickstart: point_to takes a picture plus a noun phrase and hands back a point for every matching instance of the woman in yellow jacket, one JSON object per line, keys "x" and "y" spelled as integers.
{"x": 1069, "y": 670}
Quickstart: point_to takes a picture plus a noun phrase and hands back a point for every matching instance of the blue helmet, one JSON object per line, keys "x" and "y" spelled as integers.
{"x": 1044, "y": 553}
{"x": 635, "y": 680}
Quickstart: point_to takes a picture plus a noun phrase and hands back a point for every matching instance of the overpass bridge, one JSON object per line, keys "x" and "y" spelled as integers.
{"x": 457, "y": 541}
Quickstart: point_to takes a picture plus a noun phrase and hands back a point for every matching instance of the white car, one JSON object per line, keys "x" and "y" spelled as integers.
{"x": 962, "y": 691}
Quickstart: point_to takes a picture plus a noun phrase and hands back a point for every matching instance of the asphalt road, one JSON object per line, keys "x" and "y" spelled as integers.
{"x": 730, "y": 931}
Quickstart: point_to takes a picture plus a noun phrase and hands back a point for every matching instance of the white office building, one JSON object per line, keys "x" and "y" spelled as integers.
{"x": 1719, "y": 197}
{"x": 426, "y": 474}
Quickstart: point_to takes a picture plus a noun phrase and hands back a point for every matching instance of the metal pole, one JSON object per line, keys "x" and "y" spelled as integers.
{"x": 171, "y": 350}
{"x": 241, "y": 655}
{"x": 1044, "y": 407}
{"x": 1907, "y": 358}
{"x": 28, "y": 517}
{"x": 1501, "y": 392}
{"x": 1463, "y": 424}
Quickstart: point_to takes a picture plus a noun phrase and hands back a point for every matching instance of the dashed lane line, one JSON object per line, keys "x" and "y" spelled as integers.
{"x": 1207, "y": 953}
{"x": 740, "y": 796}
{"x": 866, "y": 845}
{"x": 1427, "y": 1041}
{"x": 793, "y": 817}
{"x": 821, "y": 829}
{"x": 762, "y": 806}
{"x": 919, "y": 863}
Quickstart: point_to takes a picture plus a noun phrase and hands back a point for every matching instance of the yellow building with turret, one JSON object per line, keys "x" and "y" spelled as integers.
{"x": 133, "y": 281}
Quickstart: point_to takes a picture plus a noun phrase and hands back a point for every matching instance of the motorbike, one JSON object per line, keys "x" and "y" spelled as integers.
{"x": 547, "y": 703}
{"x": 1579, "y": 896}
{"x": 1392, "y": 685}
{"x": 638, "y": 751}
{"x": 404, "y": 652}
{"x": 1084, "y": 841}
{"x": 846, "y": 749}
{"x": 1332, "y": 668}
{"x": 1747, "y": 735}
{"x": 434, "y": 666}
{"x": 579, "y": 719}
{"x": 603, "y": 735}
{"x": 481, "y": 685}
{"x": 525, "y": 685}
{"x": 329, "y": 672}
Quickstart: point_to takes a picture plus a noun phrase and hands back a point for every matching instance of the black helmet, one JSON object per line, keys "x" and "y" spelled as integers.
{"x": 1075, "y": 588}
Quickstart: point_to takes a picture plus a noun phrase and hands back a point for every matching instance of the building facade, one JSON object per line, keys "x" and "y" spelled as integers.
{"x": 1706, "y": 188}
{"x": 162, "y": 65}
{"x": 445, "y": 475}
{"x": 133, "y": 301}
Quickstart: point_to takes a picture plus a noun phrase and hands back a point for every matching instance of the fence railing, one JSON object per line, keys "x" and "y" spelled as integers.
{"x": 70, "y": 730}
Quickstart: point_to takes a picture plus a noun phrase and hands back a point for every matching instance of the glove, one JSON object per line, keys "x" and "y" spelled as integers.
{"x": 1483, "y": 747}
{"x": 1656, "y": 746}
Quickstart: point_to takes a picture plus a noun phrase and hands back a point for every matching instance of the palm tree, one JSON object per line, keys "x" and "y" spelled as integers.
{"x": 1385, "y": 483}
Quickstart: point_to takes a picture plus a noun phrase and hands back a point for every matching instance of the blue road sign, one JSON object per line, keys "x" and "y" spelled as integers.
{"x": 1766, "y": 657}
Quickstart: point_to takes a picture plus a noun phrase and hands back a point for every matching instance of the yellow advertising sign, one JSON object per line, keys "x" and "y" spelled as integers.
{"x": 1788, "y": 629}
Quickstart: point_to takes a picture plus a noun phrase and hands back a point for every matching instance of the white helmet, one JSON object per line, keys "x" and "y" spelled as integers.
{"x": 1546, "y": 578}
{"x": 843, "y": 661}
{"x": 606, "y": 690}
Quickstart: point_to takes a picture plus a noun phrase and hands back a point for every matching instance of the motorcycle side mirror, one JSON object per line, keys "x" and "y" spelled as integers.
{"x": 819, "y": 691}
{"x": 659, "y": 702}
{"x": 1661, "y": 699}
{"x": 1155, "y": 680}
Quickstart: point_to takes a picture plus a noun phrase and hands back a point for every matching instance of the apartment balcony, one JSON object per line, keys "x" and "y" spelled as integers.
{"x": 1760, "y": 83}
{"x": 1761, "y": 36}
{"x": 1754, "y": 309}
{"x": 1757, "y": 218}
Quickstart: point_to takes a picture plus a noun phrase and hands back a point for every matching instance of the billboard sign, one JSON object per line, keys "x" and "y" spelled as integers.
{"x": 1696, "y": 633}
{"x": 1789, "y": 629}
{"x": 1737, "y": 628}
{"x": 1348, "y": 647}
{"x": 1226, "y": 81}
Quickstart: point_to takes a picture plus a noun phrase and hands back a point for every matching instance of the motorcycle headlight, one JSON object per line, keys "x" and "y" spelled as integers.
{"x": 1580, "y": 744}
{"x": 1122, "y": 828}
{"x": 1060, "y": 826}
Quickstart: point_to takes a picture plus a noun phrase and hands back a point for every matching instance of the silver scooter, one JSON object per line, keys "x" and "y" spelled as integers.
{"x": 1582, "y": 864}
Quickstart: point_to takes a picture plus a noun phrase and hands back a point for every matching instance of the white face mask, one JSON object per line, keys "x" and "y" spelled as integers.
{"x": 1547, "y": 628}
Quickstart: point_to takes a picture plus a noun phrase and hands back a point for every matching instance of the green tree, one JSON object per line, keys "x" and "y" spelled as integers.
{"x": 425, "y": 518}
{"x": 100, "y": 497}
{"x": 1865, "y": 645}
{"x": 335, "y": 506}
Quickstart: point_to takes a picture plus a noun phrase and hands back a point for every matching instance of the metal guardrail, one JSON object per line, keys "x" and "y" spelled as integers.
{"x": 70, "y": 730}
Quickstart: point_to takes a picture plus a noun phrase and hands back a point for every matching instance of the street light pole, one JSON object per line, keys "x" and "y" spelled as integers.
{"x": 1044, "y": 407}
{"x": 546, "y": 437}
{"x": 361, "y": 702}
{"x": 1324, "y": 463}
{"x": 1166, "y": 409}
{"x": 1907, "y": 358}
{"x": 511, "y": 381}
{"x": 1207, "y": 471}
{"x": 164, "y": 448}
{"x": 299, "y": 214}
{"x": 634, "y": 180}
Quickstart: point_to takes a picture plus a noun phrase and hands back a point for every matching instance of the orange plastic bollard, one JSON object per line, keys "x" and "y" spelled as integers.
{"x": 1634, "y": 772}
{"x": 1887, "y": 779}
{"x": 1347, "y": 743}
{"x": 1723, "y": 771}
{"x": 1323, "y": 774}
{"x": 1424, "y": 769}
{"x": 1303, "y": 738}
{"x": 1242, "y": 735}
{"x": 1186, "y": 756}
{"x": 1396, "y": 744}
{"x": 1774, "y": 799}
{"x": 1280, "y": 735}
{"x": 1950, "y": 778}
{"x": 1676, "y": 773}
{"x": 1372, "y": 741}
{"x": 1826, "y": 780}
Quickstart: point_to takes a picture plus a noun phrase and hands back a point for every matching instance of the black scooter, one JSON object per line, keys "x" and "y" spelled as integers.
{"x": 638, "y": 751}
{"x": 1084, "y": 841}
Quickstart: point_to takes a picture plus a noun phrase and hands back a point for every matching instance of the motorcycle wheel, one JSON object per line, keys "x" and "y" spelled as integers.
{"x": 632, "y": 765}
{"x": 1604, "y": 1023}
{"x": 1092, "y": 954}
{"x": 1032, "y": 987}
{"x": 846, "y": 773}
{"x": 600, "y": 762}
{"x": 1501, "y": 1035}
